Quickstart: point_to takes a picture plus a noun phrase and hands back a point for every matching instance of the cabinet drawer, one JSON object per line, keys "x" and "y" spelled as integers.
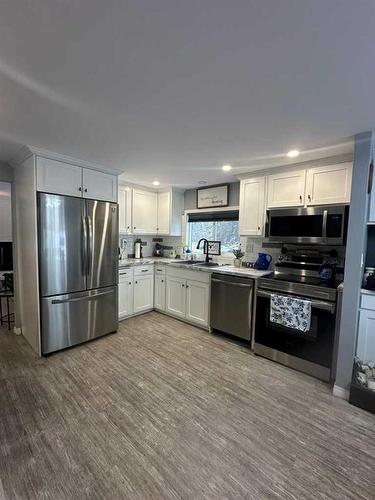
{"x": 143, "y": 270}
{"x": 202, "y": 276}
{"x": 125, "y": 274}
{"x": 367, "y": 301}
{"x": 160, "y": 269}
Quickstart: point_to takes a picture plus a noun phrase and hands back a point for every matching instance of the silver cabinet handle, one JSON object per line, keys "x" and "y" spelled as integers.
{"x": 145, "y": 270}
{"x": 230, "y": 283}
{"x": 78, "y": 299}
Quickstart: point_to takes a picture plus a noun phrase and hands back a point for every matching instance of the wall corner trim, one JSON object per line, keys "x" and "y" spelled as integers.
{"x": 340, "y": 392}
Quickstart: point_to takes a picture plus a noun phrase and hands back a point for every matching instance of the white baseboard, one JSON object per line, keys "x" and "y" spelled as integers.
{"x": 340, "y": 392}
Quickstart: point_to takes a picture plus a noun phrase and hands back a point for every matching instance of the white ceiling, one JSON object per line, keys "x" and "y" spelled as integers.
{"x": 172, "y": 89}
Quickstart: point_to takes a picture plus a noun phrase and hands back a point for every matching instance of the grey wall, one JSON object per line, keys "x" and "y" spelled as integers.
{"x": 190, "y": 197}
{"x": 353, "y": 266}
{"x": 6, "y": 172}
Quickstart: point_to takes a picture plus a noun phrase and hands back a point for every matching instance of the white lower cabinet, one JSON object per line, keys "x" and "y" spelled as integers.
{"x": 125, "y": 293}
{"x": 136, "y": 290}
{"x": 197, "y": 295}
{"x": 159, "y": 292}
{"x": 188, "y": 295}
{"x": 176, "y": 296}
{"x": 143, "y": 293}
{"x": 366, "y": 335}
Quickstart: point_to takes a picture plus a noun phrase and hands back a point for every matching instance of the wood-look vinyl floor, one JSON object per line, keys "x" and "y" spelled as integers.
{"x": 163, "y": 410}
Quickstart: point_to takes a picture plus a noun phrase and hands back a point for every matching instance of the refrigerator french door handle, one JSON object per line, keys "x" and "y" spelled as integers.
{"x": 79, "y": 299}
{"x": 89, "y": 244}
{"x": 84, "y": 247}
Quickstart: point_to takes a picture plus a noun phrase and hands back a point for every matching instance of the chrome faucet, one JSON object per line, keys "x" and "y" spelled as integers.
{"x": 205, "y": 249}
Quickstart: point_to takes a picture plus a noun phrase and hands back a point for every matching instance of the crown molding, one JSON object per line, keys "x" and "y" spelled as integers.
{"x": 27, "y": 151}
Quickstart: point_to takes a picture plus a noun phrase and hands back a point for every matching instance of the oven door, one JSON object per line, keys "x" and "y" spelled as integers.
{"x": 310, "y": 351}
{"x": 318, "y": 225}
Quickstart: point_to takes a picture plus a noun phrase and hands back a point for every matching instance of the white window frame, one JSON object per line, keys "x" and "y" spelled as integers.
{"x": 226, "y": 255}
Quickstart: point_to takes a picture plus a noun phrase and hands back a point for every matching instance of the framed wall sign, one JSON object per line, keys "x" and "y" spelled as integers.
{"x": 214, "y": 248}
{"x": 213, "y": 196}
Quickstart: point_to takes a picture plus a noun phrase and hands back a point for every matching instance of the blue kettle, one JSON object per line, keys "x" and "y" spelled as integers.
{"x": 263, "y": 261}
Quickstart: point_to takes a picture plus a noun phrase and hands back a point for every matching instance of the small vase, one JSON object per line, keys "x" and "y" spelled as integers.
{"x": 237, "y": 262}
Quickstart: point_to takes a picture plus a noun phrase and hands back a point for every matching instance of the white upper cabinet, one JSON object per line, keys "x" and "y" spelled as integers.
{"x": 99, "y": 185}
{"x": 170, "y": 208}
{"x": 164, "y": 213}
{"x": 144, "y": 209}
{"x": 125, "y": 209}
{"x": 252, "y": 206}
{"x": 329, "y": 184}
{"x": 286, "y": 189}
{"x": 57, "y": 177}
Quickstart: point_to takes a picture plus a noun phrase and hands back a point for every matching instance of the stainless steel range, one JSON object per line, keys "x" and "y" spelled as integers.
{"x": 298, "y": 275}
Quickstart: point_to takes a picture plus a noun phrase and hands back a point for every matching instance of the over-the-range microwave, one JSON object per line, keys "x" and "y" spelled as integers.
{"x": 325, "y": 225}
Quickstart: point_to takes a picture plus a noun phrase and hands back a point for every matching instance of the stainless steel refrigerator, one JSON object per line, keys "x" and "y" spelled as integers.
{"x": 78, "y": 269}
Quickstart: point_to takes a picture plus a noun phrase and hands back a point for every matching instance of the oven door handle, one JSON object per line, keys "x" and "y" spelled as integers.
{"x": 318, "y": 304}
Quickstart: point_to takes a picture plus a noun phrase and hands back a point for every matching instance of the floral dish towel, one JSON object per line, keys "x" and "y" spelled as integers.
{"x": 291, "y": 312}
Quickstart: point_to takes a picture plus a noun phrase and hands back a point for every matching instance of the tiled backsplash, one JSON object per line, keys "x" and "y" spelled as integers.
{"x": 148, "y": 249}
{"x": 252, "y": 246}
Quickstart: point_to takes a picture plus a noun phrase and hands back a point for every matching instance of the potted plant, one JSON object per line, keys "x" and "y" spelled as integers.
{"x": 238, "y": 254}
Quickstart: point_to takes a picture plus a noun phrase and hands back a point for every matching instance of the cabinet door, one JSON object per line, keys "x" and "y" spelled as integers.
{"x": 197, "y": 298}
{"x": 286, "y": 189}
{"x": 159, "y": 295}
{"x": 125, "y": 209}
{"x": 252, "y": 209}
{"x": 143, "y": 293}
{"x": 57, "y": 177}
{"x": 366, "y": 336}
{"x": 99, "y": 186}
{"x": 329, "y": 184}
{"x": 164, "y": 213}
{"x": 144, "y": 212}
{"x": 125, "y": 297}
{"x": 176, "y": 296}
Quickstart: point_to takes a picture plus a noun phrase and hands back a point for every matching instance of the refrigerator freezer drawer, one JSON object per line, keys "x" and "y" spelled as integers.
{"x": 74, "y": 318}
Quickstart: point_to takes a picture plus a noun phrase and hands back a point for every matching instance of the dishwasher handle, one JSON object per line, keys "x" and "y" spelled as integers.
{"x": 231, "y": 283}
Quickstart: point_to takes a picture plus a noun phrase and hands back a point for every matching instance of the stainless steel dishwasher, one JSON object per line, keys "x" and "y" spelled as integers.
{"x": 231, "y": 305}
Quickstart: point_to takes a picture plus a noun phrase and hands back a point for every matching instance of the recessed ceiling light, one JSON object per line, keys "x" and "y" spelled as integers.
{"x": 226, "y": 168}
{"x": 202, "y": 183}
{"x": 156, "y": 183}
{"x": 293, "y": 153}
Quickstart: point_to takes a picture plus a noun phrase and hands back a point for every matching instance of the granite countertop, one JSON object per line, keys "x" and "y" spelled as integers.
{"x": 223, "y": 269}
